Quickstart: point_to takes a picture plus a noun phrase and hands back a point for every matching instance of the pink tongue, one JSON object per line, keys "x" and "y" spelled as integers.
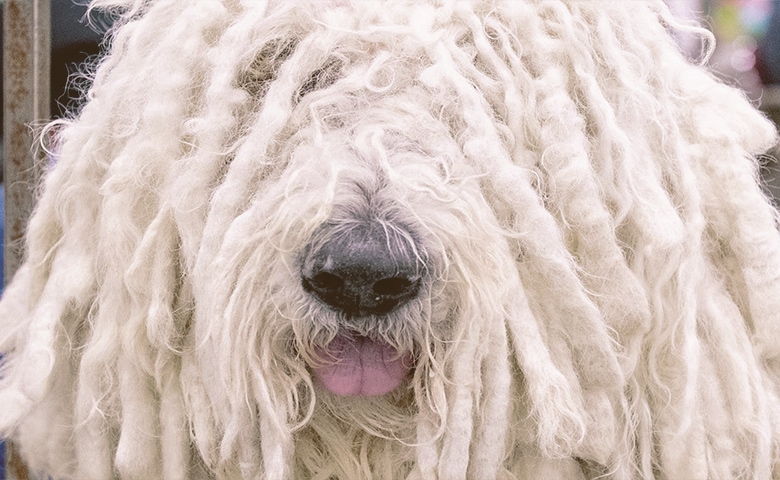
{"x": 361, "y": 366}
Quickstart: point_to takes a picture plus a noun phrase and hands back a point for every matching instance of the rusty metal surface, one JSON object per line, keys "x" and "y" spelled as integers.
{"x": 26, "y": 52}
{"x": 15, "y": 468}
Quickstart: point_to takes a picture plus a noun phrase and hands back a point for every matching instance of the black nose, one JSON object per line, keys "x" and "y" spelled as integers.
{"x": 365, "y": 270}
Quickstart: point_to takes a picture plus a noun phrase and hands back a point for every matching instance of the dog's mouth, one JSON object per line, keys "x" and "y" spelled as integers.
{"x": 356, "y": 365}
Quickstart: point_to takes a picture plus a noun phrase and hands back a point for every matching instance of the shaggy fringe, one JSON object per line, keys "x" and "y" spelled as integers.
{"x": 605, "y": 266}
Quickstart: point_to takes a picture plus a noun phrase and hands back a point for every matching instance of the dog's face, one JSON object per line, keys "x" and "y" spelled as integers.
{"x": 399, "y": 240}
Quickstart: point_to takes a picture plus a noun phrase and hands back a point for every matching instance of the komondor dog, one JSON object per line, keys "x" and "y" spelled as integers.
{"x": 517, "y": 239}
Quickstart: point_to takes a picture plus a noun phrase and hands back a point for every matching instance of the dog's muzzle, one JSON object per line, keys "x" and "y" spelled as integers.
{"x": 362, "y": 272}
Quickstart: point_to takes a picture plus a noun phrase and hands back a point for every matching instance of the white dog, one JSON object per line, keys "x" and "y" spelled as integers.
{"x": 514, "y": 239}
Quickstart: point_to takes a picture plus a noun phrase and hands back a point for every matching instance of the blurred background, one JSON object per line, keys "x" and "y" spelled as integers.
{"x": 747, "y": 56}
{"x": 748, "y": 39}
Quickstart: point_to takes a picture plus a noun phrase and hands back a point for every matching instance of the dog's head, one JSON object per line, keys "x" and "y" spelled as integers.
{"x": 398, "y": 240}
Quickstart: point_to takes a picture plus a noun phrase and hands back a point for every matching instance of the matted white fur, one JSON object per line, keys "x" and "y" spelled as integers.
{"x": 601, "y": 294}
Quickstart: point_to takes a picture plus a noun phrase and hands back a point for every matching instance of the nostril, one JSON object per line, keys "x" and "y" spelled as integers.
{"x": 327, "y": 282}
{"x": 393, "y": 286}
